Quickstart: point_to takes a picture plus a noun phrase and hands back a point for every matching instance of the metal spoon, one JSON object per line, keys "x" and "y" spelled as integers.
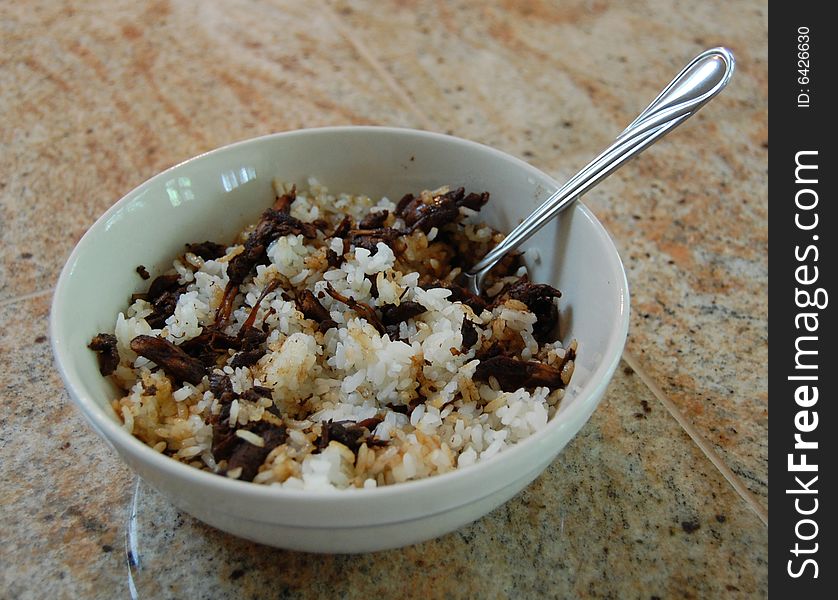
{"x": 704, "y": 77}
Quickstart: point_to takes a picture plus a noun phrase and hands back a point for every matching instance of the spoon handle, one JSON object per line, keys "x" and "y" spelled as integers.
{"x": 704, "y": 77}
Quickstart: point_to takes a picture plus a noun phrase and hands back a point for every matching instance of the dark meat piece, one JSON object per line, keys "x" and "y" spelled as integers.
{"x": 488, "y": 352}
{"x": 264, "y": 392}
{"x": 256, "y": 392}
{"x": 163, "y": 294}
{"x": 443, "y": 209}
{"x": 414, "y": 404}
{"x": 272, "y": 224}
{"x": 326, "y": 325}
{"x": 394, "y": 314}
{"x": 539, "y": 299}
{"x": 284, "y": 224}
{"x": 512, "y": 373}
{"x": 274, "y": 410}
{"x": 370, "y": 423}
{"x": 402, "y": 205}
{"x": 350, "y": 434}
{"x": 373, "y": 279}
{"x": 283, "y": 201}
{"x": 333, "y": 258}
{"x": 104, "y": 345}
{"x": 250, "y": 457}
{"x": 221, "y": 386}
{"x": 364, "y": 310}
{"x": 161, "y": 284}
{"x": 439, "y": 212}
{"x": 569, "y": 355}
{"x": 164, "y": 307}
{"x": 247, "y": 358}
{"x": 462, "y": 294}
{"x": 469, "y": 332}
{"x": 173, "y": 360}
{"x": 207, "y": 356}
{"x": 212, "y": 344}
{"x": 253, "y": 338}
{"x": 224, "y": 439}
{"x": 370, "y": 238}
{"x": 342, "y": 228}
{"x": 475, "y": 201}
{"x": 209, "y": 345}
{"x": 240, "y": 265}
{"x": 374, "y": 220}
{"x": 321, "y": 224}
{"x": 309, "y": 305}
{"x": 207, "y": 250}
{"x": 143, "y": 272}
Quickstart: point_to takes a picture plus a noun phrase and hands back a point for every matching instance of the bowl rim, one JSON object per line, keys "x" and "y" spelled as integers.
{"x": 115, "y": 434}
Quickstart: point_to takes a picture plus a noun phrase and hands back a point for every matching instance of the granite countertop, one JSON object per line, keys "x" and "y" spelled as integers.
{"x": 662, "y": 494}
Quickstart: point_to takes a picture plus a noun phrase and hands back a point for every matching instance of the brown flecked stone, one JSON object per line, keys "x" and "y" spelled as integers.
{"x": 87, "y": 118}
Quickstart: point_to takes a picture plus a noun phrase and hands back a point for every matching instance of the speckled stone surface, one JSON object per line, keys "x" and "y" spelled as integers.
{"x": 63, "y": 492}
{"x": 96, "y": 97}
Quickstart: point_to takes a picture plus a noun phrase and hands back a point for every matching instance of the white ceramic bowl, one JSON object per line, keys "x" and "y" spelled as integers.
{"x": 213, "y": 196}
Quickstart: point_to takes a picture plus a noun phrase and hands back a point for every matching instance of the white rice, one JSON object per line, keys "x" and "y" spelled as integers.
{"x": 350, "y": 372}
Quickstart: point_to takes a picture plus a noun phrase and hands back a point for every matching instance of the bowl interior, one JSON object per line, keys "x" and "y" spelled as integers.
{"x": 214, "y": 195}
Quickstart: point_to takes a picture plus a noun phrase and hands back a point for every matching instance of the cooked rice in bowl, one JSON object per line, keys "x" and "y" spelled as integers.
{"x": 331, "y": 346}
